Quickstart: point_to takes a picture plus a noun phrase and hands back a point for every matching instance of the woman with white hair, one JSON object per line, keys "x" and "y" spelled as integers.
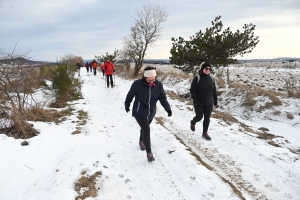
{"x": 146, "y": 91}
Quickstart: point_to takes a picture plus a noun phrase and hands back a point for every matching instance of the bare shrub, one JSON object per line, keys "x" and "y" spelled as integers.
{"x": 64, "y": 84}
{"x": 17, "y": 81}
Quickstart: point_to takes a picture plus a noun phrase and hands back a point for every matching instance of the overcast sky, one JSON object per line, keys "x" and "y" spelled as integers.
{"x": 53, "y": 29}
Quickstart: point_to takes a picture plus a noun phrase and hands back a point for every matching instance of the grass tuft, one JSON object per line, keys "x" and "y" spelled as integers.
{"x": 86, "y": 186}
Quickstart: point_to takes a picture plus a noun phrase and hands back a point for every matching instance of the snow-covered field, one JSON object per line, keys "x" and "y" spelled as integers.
{"x": 235, "y": 164}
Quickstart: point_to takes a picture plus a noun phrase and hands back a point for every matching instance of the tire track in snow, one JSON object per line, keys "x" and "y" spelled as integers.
{"x": 224, "y": 166}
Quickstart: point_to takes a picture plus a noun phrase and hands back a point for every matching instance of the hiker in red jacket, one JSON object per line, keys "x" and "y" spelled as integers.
{"x": 102, "y": 68}
{"x": 94, "y": 65}
{"x": 109, "y": 70}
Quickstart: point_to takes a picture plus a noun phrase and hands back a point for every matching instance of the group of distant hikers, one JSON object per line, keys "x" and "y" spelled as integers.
{"x": 107, "y": 67}
{"x": 148, "y": 90}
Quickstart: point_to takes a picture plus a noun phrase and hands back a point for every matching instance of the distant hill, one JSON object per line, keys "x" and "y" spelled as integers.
{"x": 24, "y": 61}
{"x": 282, "y": 59}
{"x": 147, "y": 61}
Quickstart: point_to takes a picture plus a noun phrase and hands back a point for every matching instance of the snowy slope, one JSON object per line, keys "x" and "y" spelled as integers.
{"x": 186, "y": 166}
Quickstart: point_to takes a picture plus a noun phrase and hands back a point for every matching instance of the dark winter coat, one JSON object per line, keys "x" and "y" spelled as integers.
{"x": 78, "y": 65}
{"x": 205, "y": 90}
{"x": 144, "y": 106}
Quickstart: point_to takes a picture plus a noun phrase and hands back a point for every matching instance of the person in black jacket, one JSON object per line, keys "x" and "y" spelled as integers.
{"x": 146, "y": 91}
{"x": 203, "y": 92}
{"x": 78, "y": 67}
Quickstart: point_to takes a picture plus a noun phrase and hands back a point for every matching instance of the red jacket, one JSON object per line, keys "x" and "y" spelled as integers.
{"x": 102, "y": 67}
{"x": 95, "y": 64}
{"x": 109, "y": 68}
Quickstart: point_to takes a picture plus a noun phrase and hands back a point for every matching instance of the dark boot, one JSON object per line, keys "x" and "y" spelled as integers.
{"x": 150, "y": 157}
{"x": 142, "y": 146}
{"x": 192, "y": 126}
{"x": 206, "y": 136}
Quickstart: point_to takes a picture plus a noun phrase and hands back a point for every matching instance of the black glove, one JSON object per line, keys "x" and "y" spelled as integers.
{"x": 127, "y": 109}
{"x": 169, "y": 113}
{"x": 197, "y": 103}
{"x": 114, "y": 70}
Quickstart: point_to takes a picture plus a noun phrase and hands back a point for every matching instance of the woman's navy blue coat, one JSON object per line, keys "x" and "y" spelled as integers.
{"x": 144, "y": 106}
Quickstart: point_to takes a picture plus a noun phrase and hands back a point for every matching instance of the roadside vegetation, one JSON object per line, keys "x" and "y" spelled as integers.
{"x": 19, "y": 81}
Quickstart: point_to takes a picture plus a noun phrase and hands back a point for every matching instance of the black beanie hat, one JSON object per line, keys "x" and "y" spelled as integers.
{"x": 203, "y": 65}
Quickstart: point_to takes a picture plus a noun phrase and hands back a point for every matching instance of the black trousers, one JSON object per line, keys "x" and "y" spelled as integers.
{"x": 145, "y": 132}
{"x": 203, "y": 110}
{"x": 95, "y": 71}
{"x": 103, "y": 72}
{"x": 111, "y": 80}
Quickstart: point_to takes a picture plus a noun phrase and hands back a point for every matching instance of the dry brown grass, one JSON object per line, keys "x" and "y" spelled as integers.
{"x": 294, "y": 94}
{"x": 40, "y": 114}
{"x": 180, "y": 97}
{"x": 125, "y": 73}
{"x": 58, "y": 104}
{"x": 19, "y": 129}
{"x": 253, "y": 92}
{"x": 289, "y": 116}
{"x": 273, "y": 143}
{"x": 82, "y": 120}
{"x": 249, "y": 100}
{"x": 82, "y": 115}
{"x": 224, "y": 117}
{"x": 266, "y": 136}
{"x": 77, "y": 131}
{"x": 220, "y": 82}
{"x": 172, "y": 74}
{"x": 86, "y": 186}
{"x": 276, "y": 112}
{"x": 263, "y": 129}
{"x": 162, "y": 73}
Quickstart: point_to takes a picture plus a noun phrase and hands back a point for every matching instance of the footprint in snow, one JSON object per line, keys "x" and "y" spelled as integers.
{"x": 130, "y": 185}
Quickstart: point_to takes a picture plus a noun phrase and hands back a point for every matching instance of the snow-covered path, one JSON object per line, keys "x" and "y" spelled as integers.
{"x": 49, "y": 167}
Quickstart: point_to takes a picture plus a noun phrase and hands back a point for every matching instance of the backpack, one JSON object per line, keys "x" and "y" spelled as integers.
{"x": 210, "y": 76}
